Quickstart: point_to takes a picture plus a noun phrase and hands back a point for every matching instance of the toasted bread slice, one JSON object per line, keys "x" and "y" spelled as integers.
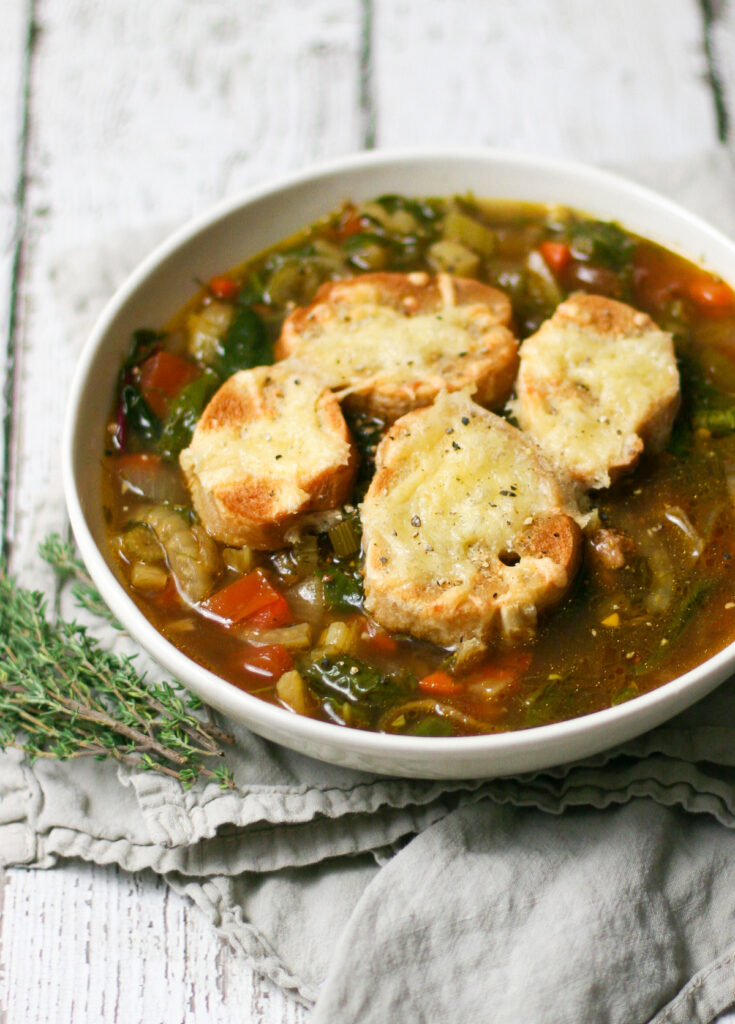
{"x": 391, "y": 342}
{"x": 271, "y": 446}
{"x": 597, "y": 385}
{"x": 467, "y": 531}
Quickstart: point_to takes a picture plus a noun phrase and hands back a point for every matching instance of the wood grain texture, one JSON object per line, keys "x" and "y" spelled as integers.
{"x": 623, "y": 81}
{"x": 92, "y": 944}
{"x": 141, "y": 115}
{"x": 719, "y": 18}
{"x": 14, "y": 38}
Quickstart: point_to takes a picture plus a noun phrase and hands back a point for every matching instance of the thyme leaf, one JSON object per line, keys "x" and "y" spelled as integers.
{"x": 64, "y": 696}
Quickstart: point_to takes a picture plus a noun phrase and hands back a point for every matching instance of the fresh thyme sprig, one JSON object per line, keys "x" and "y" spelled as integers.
{"x": 69, "y": 568}
{"x": 64, "y": 696}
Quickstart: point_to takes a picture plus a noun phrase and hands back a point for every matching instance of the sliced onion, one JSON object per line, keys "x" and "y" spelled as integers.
{"x": 661, "y": 594}
{"x": 191, "y": 553}
{"x": 306, "y": 600}
{"x": 314, "y": 522}
{"x": 729, "y": 470}
{"x": 678, "y": 517}
{"x": 293, "y": 638}
{"x": 148, "y": 476}
{"x": 433, "y": 707}
{"x": 650, "y": 544}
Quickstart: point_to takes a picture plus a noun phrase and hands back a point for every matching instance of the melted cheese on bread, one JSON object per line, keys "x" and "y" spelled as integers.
{"x": 393, "y": 341}
{"x": 467, "y": 531}
{"x": 597, "y": 384}
{"x": 272, "y": 445}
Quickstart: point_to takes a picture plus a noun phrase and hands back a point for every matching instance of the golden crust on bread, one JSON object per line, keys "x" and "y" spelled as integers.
{"x": 271, "y": 446}
{"x": 467, "y": 531}
{"x": 597, "y": 385}
{"x": 390, "y": 342}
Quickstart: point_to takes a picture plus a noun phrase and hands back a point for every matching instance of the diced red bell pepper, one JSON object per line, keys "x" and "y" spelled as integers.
{"x": 224, "y": 287}
{"x": 246, "y": 597}
{"x": 270, "y": 660}
{"x": 274, "y": 616}
{"x": 162, "y": 376}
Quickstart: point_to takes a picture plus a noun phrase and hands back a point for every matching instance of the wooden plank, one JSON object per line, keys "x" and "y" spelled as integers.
{"x": 720, "y": 52}
{"x": 91, "y": 943}
{"x": 572, "y": 78}
{"x": 14, "y": 39}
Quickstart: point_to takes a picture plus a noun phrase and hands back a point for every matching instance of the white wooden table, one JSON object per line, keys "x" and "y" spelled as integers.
{"x": 127, "y": 116}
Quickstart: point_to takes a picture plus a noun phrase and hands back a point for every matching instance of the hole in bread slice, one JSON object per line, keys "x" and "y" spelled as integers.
{"x": 509, "y": 557}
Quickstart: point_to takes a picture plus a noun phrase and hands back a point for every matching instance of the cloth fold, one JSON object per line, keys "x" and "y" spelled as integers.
{"x": 600, "y": 891}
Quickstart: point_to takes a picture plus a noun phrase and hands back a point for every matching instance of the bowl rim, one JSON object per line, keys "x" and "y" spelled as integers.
{"x": 254, "y": 712}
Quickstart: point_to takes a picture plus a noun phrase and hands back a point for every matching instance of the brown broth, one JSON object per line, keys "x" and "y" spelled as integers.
{"x": 617, "y": 634}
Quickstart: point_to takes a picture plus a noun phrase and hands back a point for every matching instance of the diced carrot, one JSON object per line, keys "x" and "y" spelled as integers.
{"x": 224, "y": 287}
{"x": 273, "y": 616}
{"x": 162, "y": 376}
{"x": 138, "y": 472}
{"x": 440, "y": 684}
{"x": 137, "y": 461}
{"x": 350, "y": 224}
{"x": 494, "y": 676}
{"x": 710, "y": 294}
{"x": 270, "y": 660}
{"x": 378, "y": 639}
{"x": 247, "y": 596}
{"x": 556, "y": 255}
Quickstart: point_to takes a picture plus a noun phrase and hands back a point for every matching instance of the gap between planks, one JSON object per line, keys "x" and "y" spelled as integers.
{"x": 10, "y": 384}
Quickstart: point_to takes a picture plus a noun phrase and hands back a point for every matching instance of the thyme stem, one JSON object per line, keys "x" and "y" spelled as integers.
{"x": 64, "y": 696}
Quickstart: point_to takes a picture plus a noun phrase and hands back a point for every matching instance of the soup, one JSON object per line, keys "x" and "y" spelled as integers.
{"x": 654, "y": 594}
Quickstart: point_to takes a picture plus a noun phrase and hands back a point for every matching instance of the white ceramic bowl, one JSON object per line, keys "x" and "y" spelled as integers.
{"x": 239, "y": 228}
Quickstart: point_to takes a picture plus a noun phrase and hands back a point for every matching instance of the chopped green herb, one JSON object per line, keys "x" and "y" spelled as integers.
{"x": 184, "y": 412}
{"x": 603, "y": 242}
{"x": 348, "y": 678}
{"x": 422, "y": 211}
{"x": 141, "y": 425}
{"x": 343, "y": 589}
{"x": 143, "y": 343}
{"x": 245, "y": 344}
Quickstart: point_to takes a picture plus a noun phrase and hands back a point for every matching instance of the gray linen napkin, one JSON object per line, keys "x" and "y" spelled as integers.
{"x": 603, "y": 891}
